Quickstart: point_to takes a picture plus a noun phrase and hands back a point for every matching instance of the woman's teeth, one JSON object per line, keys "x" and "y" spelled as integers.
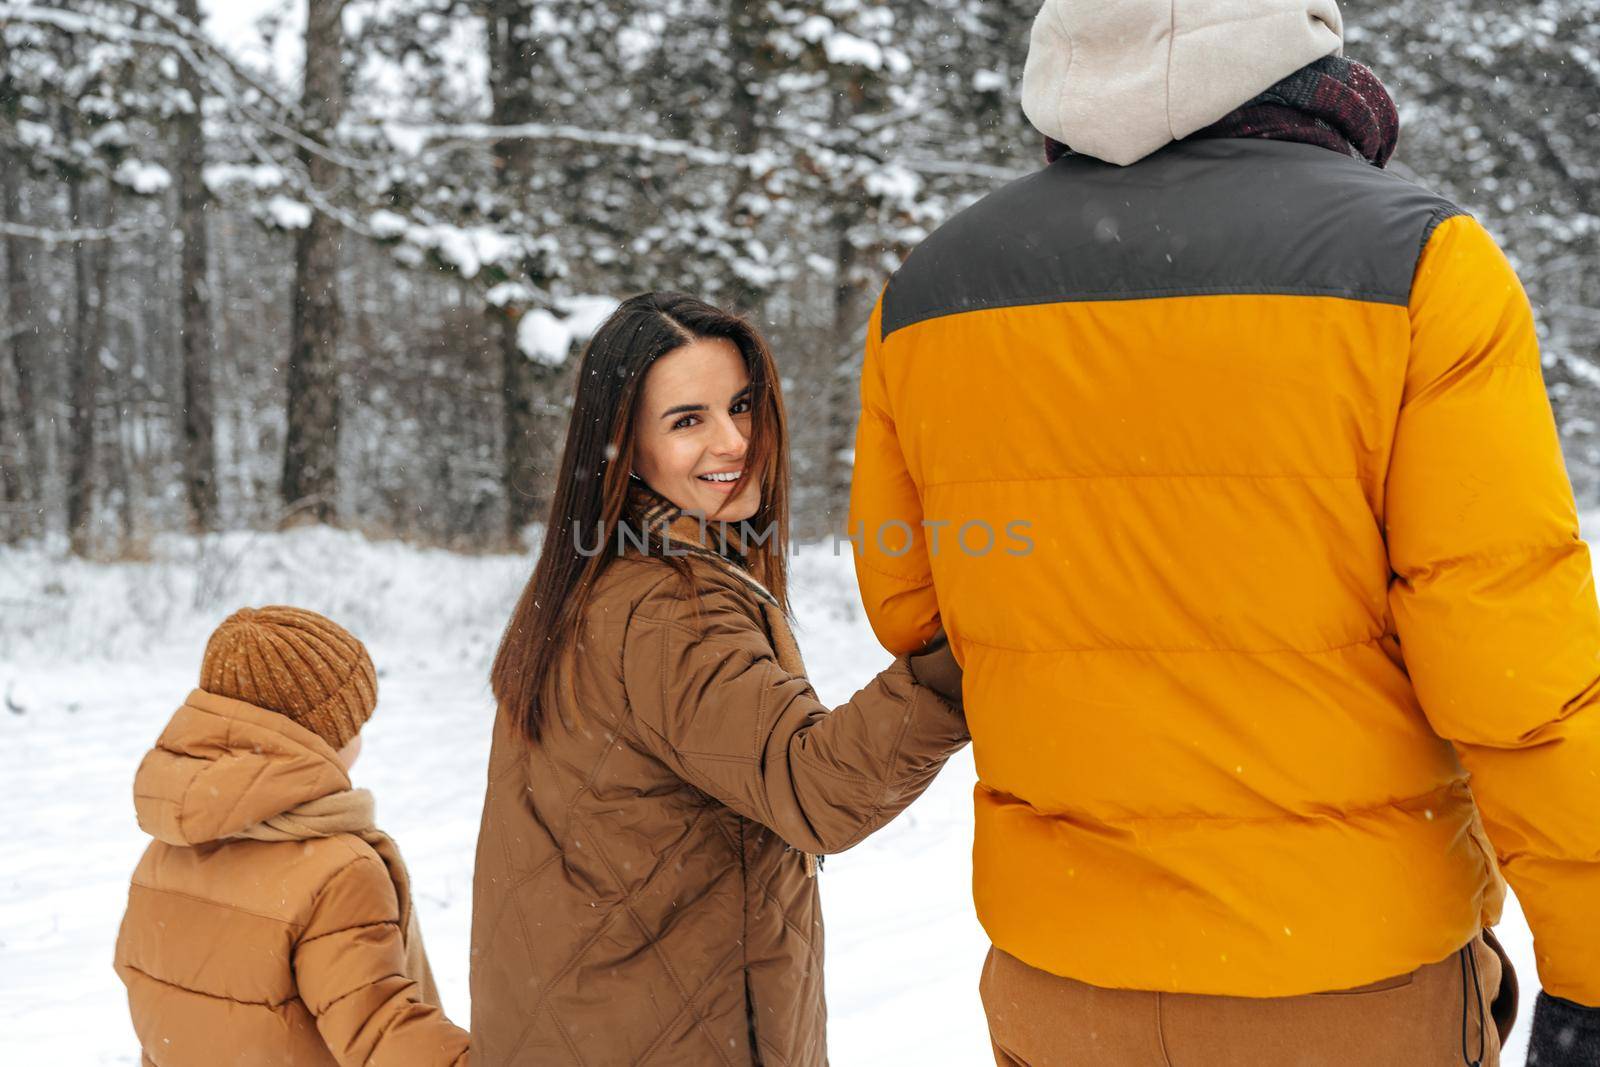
{"x": 730, "y": 477}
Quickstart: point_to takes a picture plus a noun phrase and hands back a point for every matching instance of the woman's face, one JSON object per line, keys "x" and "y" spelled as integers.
{"x": 694, "y": 430}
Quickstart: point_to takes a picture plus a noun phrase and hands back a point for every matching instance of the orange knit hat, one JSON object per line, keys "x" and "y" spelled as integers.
{"x": 296, "y": 663}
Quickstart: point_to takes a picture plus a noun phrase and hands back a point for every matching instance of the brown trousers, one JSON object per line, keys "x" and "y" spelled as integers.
{"x": 1037, "y": 1019}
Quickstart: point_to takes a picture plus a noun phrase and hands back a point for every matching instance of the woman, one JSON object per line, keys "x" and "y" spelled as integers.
{"x": 663, "y": 778}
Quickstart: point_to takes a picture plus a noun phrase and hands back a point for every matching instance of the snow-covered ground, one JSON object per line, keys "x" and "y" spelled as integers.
{"x": 94, "y": 658}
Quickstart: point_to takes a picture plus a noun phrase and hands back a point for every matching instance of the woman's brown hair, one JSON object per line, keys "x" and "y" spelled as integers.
{"x": 591, "y": 492}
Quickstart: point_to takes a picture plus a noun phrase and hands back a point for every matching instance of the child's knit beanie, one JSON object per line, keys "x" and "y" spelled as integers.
{"x": 296, "y": 663}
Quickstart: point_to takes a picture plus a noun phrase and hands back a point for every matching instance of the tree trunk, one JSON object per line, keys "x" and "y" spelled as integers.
{"x": 120, "y": 438}
{"x": 199, "y": 409}
{"x": 311, "y": 447}
{"x": 849, "y": 311}
{"x": 748, "y": 22}
{"x": 526, "y": 501}
{"x": 528, "y": 466}
{"x": 13, "y": 494}
{"x": 91, "y": 272}
{"x": 25, "y": 461}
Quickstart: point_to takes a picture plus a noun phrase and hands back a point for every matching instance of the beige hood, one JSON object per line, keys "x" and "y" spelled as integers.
{"x": 223, "y": 765}
{"x": 1118, "y": 79}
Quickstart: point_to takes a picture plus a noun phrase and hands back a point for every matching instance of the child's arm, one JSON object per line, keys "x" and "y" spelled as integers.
{"x": 350, "y": 967}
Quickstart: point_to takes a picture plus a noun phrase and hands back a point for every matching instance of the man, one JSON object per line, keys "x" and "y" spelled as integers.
{"x": 1228, "y": 467}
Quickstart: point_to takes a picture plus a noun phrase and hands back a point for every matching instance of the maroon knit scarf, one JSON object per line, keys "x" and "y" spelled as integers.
{"x": 1333, "y": 102}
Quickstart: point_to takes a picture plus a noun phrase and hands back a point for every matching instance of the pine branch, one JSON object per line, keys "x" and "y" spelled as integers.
{"x": 73, "y": 236}
{"x": 440, "y": 138}
{"x": 221, "y": 86}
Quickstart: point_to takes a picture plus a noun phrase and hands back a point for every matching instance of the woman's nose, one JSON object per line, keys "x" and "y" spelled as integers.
{"x": 731, "y": 440}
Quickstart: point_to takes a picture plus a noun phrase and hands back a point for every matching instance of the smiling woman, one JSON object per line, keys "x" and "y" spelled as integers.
{"x": 663, "y": 777}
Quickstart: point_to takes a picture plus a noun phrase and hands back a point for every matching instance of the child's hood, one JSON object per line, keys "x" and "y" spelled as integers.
{"x": 223, "y": 765}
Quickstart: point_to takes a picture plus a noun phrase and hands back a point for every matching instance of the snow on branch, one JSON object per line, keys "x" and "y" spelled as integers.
{"x": 218, "y": 81}
{"x": 547, "y": 338}
{"x": 436, "y": 138}
{"x": 74, "y": 235}
{"x": 427, "y": 139}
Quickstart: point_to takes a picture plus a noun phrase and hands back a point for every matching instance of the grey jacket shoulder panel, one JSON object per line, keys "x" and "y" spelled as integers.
{"x": 1198, "y": 218}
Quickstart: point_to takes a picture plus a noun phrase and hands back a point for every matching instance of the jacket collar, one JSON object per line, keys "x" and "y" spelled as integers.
{"x": 669, "y": 530}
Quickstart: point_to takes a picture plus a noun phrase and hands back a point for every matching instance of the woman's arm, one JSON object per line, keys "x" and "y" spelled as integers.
{"x": 712, "y": 702}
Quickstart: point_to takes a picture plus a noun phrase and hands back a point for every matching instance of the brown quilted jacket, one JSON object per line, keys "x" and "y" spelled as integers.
{"x": 248, "y": 953}
{"x": 644, "y": 890}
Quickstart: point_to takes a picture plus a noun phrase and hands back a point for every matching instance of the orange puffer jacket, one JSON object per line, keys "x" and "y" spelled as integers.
{"x": 1295, "y": 607}
{"x": 239, "y": 953}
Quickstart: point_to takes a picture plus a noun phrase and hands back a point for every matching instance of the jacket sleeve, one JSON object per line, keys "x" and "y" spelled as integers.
{"x": 891, "y": 550}
{"x": 1493, "y": 591}
{"x": 711, "y": 701}
{"x": 350, "y": 967}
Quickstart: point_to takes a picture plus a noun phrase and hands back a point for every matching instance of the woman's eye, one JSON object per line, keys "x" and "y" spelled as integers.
{"x": 741, "y": 408}
{"x": 686, "y": 421}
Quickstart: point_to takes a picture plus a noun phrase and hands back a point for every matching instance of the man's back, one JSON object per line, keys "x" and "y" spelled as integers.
{"x": 1266, "y": 413}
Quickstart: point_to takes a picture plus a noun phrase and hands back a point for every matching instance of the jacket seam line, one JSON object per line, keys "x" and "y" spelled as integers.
{"x": 750, "y": 1022}
{"x": 587, "y": 786}
{"x": 1441, "y": 214}
{"x": 626, "y": 905}
{"x": 594, "y": 939}
{"x": 215, "y": 903}
{"x": 1427, "y": 393}
{"x": 303, "y": 942}
{"x": 1400, "y": 803}
{"x": 856, "y": 835}
{"x": 771, "y": 1049}
{"x": 1520, "y": 552}
{"x": 687, "y": 1008}
{"x": 1374, "y": 639}
{"x": 316, "y": 901}
{"x": 260, "y": 770}
{"x": 528, "y": 876}
{"x": 539, "y": 1003}
{"x": 1160, "y": 476}
{"x": 757, "y": 747}
{"x": 363, "y": 987}
{"x": 394, "y": 1017}
{"x": 861, "y": 562}
{"x": 268, "y": 1004}
{"x": 566, "y": 1037}
{"x": 845, "y": 776}
{"x": 783, "y": 913}
{"x": 1107, "y": 296}
{"x": 527, "y": 943}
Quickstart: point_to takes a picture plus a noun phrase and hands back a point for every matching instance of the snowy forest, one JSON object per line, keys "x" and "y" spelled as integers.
{"x": 269, "y": 263}
{"x": 294, "y": 291}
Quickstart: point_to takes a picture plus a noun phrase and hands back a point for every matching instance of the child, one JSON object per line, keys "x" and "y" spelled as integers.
{"x": 270, "y": 922}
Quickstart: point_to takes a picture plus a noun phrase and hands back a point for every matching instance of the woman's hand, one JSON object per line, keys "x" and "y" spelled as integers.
{"x": 935, "y": 668}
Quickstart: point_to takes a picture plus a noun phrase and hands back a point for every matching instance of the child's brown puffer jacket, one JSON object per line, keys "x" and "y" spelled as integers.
{"x": 243, "y": 952}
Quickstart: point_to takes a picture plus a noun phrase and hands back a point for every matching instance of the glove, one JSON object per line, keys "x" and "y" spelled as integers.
{"x": 1564, "y": 1034}
{"x": 935, "y": 668}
